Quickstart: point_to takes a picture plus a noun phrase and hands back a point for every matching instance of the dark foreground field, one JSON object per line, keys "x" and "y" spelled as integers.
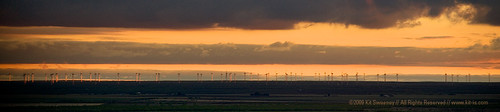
{"x": 248, "y": 96}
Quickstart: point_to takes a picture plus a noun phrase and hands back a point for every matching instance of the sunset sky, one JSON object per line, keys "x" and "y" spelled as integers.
{"x": 371, "y": 36}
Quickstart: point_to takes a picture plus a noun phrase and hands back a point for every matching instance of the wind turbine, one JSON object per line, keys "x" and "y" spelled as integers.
{"x": 139, "y": 77}
{"x": 364, "y": 77}
{"x": 385, "y": 77}
{"x": 10, "y": 77}
{"x": 99, "y": 75}
{"x": 397, "y": 77}
{"x": 179, "y": 77}
{"x": 32, "y": 77}
{"x": 489, "y": 77}
{"x": 295, "y": 77}
{"x": 212, "y": 76}
{"x": 81, "y": 77}
{"x": 24, "y": 76}
{"x": 266, "y": 76}
{"x": 445, "y": 77}
{"x": 244, "y": 76}
{"x": 347, "y": 76}
{"x": 234, "y": 76}
{"x": 276, "y": 76}
{"x": 57, "y": 77}
{"x": 469, "y": 77}
{"x": 118, "y": 77}
{"x": 332, "y": 76}
{"x": 221, "y": 80}
{"x": 286, "y": 76}
{"x": 90, "y": 77}
{"x": 136, "y": 77}
{"x": 356, "y": 76}
{"x": 377, "y": 78}
{"x": 65, "y": 77}
{"x": 451, "y": 77}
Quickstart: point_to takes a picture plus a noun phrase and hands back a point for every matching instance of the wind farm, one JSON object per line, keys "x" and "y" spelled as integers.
{"x": 250, "y": 55}
{"x": 176, "y": 92}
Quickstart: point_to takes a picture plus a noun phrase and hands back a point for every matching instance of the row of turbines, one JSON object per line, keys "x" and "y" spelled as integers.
{"x": 456, "y": 78}
{"x": 231, "y": 76}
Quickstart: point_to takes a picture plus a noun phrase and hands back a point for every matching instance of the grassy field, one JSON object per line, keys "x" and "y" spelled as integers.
{"x": 236, "y": 96}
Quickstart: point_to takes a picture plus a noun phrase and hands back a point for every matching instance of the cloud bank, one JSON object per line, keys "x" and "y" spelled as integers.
{"x": 243, "y": 14}
{"x": 76, "y": 52}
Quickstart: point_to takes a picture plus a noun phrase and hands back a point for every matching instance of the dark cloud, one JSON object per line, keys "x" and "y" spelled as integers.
{"x": 245, "y": 14}
{"x": 495, "y": 44}
{"x": 433, "y": 37}
{"x": 55, "y": 30}
{"x": 276, "y": 53}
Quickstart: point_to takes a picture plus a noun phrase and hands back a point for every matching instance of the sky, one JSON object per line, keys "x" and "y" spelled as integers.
{"x": 370, "y": 36}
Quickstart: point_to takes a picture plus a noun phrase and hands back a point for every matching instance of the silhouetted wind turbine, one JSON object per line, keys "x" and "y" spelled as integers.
{"x": 10, "y": 77}
{"x": 377, "y": 78}
{"x": 356, "y": 76}
{"x": 81, "y": 77}
{"x": 65, "y": 77}
{"x": 397, "y": 77}
{"x": 179, "y": 77}
{"x": 469, "y": 77}
{"x": 451, "y": 77}
{"x": 445, "y": 77}
{"x": 221, "y": 80}
{"x": 90, "y": 77}
{"x": 99, "y": 75}
{"x": 385, "y": 77}
{"x": 24, "y": 76}
{"x": 364, "y": 77}
{"x": 276, "y": 76}
{"x": 489, "y": 77}
{"x": 32, "y": 77}
{"x": 286, "y": 76}
{"x": 139, "y": 77}
{"x": 118, "y": 77}
{"x": 244, "y": 76}
{"x": 212, "y": 76}
{"x": 57, "y": 77}
{"x": 266, "y": 76}
{"x": 136, "y": 77}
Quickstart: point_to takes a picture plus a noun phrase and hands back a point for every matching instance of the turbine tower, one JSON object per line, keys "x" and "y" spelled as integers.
{"x": 118, "y": 77}
{"x": 377, "y": 77}
{"x": 451, "y": 77}
{"x": 81, "y": 77}
{"x": 178, "y": 77}
{"x": 445, "y": 77}
{"x": 397, "y": 77}
{"x": 489, "y": 77}
{"x": 385, "y": 77}
{"x": 32, "y": 77}
{"x": 356, "y": 76}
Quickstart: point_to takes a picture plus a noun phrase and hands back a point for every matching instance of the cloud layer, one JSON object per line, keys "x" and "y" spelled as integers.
{"x": 244, "y": 14}
{"x": 47, "y": 51}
